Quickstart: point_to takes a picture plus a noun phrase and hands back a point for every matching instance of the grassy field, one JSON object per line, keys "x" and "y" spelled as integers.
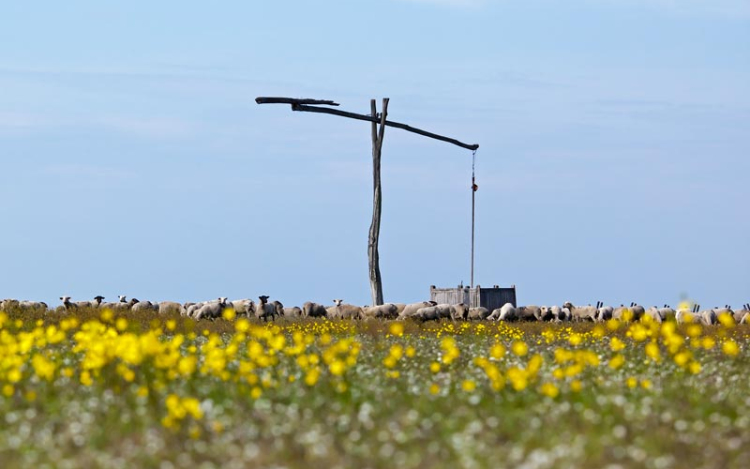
{"x": 101, "y": 390}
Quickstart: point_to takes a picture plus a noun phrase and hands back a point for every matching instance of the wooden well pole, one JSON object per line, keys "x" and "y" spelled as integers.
{"x": 379, "y": 123}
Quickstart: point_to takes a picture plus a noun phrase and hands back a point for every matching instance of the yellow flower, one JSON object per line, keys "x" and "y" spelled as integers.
{"x": 468, "y": 385}
{"x": 549, "y": 389}
{"x": 730, "y": 347}
{"x": 575, "y": 339}
{"x": 616, "y": 344}
{"x": 435, "y": 367}
{"x": 434, "y": 389}
{"x": 646, "y": 384}
{"x": 576, "y": 386}
{"x": 337, "y": 368}
{"x": 632, "y": 382}
{"x": 652, "y": 350}
{"x": 519, "y": 348}
{"x": 694, "y": 368}
{"x": 497, "y": 351}
{"x": 396, "y": 328}
{"x": 616, "y": 362}
{"x": 229, "y": 314}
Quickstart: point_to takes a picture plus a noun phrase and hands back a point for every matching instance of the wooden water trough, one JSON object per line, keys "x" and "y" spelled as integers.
{"x": 490, "y": 298}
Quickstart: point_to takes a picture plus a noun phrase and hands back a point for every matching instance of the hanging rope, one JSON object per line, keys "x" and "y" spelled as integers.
{"x": 474, "y": 188}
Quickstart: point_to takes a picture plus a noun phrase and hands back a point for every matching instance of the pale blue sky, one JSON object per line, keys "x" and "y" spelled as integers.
{"x": 613, "y": 163}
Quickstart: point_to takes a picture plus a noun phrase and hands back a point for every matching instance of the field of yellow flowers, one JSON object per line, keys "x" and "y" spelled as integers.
{"x": 97, "y": 389}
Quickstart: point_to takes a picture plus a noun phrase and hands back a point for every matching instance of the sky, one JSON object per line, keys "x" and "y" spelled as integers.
{"x": 613, "y": 162}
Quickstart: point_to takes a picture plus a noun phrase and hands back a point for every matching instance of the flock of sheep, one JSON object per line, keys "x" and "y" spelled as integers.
{"x": 421, "y": 311}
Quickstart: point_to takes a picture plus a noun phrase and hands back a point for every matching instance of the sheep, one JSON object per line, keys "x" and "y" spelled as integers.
{"x": 478, "y": 314}
{"x": 460, "y": 312}
{"x": 554, "y": 313}
{"x": 279, "y": 308}
{"x": 506, "y": 312}
{"x": 654, "y": 314}
{"x": 313, "y": 310}
{"x": 263, "y": 310}
{"x": 667, "y": 313}
{"x": 581, "y": 313}
{"x": 529, "y": 313}
{"x": 634, "y": 312}
{"x": 411, "y": 309}
{"x": 145, "y": 306}
{"x": 745, "y": 318}
{"x": 724, "y": 315}
{"x": 28, "y": 304}
{"x": 121, "y": 304}
{"x": 344, "y": 311}
{"x": 740, "y": 313}
{"x": 167, "y": 307}
{"x": 69, "y": 305}
{"x": 709, "y": 317}
{"x": 440, "y": 311}
{"x": 90, "y": 304}
{"x": 399, "y": 308}
{"x": 244, "y": 307}
{"x": 685, "y": 316}
{"x": 604, "y": 313}
{"x": 293, "y": 312}
{"x": 212, "y": 309}
{"x": 385, "y": 311}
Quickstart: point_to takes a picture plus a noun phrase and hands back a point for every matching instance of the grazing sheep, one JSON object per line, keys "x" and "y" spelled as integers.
{"x": 581, "y": 313}
{"x": 740, "y": 313}
{"x": 293, "y": 312}
{"x": 411, "y": 309}
{"x": 313, "y": 310}
{"x": 506, "y": 312}
{"x": 667, "y": 313}
{"x": 441, "y": 311}
{"x": 745, "y": 318}
{"x": 529, "y": 313}
{"x": 386, "y": 311}
{"x": 145, "y": 306}
{"x": 478, "y": 314}
{"x": 263, "y": 310}
{"x": 28, "y": 304}
{"x": 279, "y": 308}
{"x": 634, "y": 312}
{"x": 709, "y": 317}
{"x": 685, "y": 316}
{"x": 604, "y": 313}
{"x": 244, "y": 307}
{"x": 212, "y": 309}
{"x": 654, "y": 314}
{"x": 344, "y": 311}
{"x": 400, "y": 308}
{"x": 167, "y": 307}
{"x": 90, "y": 304}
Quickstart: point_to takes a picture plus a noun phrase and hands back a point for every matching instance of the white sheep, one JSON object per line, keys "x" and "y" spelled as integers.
{"x": 313, "y": 310}
{"x": 293, "y": 312}
{"x": 344, "y": 311}
{"x": 412, "y": 308}
{"x": 244, "y": 307}
{"x": 167, "y": 307}
{"x": 385, "y": 311}
{"x": 212, "y": 310}
{"x": 506, "y": 312}
{"x": 479, "y": 313}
